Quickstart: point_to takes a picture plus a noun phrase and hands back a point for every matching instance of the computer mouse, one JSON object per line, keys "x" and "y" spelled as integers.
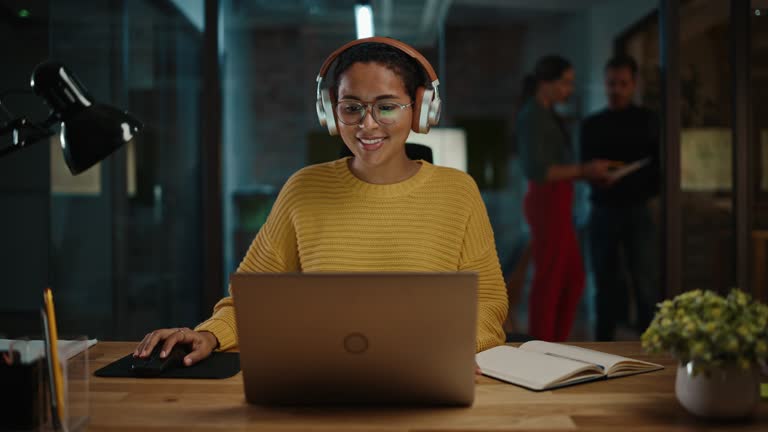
{"x": 154, "y": 366}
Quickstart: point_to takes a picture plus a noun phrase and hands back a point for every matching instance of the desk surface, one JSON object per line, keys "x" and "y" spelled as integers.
{"x": 642, "y": 402}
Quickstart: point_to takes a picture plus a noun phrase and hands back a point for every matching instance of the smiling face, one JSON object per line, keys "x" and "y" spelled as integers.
{"x": 375, "y": 145}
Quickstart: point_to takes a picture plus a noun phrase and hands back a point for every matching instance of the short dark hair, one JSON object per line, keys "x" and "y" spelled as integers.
{"x": 622, "y": 61}
{"x": 406, "y": 67}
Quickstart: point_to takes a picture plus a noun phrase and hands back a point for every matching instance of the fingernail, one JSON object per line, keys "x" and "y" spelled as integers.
{"x": 162, "y": 354}
{"x": 187, "y": 361}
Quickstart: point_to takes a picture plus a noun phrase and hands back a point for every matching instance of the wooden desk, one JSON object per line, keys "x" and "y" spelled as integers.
{"x": 644, "y": 402}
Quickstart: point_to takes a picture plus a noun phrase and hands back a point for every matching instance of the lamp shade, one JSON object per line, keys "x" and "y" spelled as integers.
{"x": 90, "y": 135}
{"x": 89, "y": 131}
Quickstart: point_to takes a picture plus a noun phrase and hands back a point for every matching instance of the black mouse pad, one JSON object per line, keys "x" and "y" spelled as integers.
{"x": 218, "y": 366}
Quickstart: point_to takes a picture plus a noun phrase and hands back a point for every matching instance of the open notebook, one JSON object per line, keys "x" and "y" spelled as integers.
{"x": 539, "y": 365}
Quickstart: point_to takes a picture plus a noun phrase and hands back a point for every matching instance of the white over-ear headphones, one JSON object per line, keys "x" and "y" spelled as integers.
{"x": 426, "y": 106}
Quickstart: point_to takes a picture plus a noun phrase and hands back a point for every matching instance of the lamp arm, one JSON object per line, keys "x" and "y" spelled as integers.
{"x": 25, "y": 133}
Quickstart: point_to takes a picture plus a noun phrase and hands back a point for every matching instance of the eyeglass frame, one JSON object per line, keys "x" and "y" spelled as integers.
{"x": 368, "y": 109}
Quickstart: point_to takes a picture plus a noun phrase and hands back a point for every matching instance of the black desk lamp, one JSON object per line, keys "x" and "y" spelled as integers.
{"x": 89, "y": 131}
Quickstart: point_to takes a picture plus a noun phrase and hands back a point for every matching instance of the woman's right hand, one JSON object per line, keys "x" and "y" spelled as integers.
{"x": 202, "y": 343}
{"x": 599, "y": 170}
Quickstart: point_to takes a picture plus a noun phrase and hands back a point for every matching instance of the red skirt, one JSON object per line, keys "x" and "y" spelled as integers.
{"x": 558, "y": 279}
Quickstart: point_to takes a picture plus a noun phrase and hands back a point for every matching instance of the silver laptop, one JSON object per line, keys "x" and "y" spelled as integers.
{"x": 348, "y": 338}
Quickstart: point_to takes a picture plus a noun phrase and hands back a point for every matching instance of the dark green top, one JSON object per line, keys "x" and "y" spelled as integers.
{"x": 542, "y": 140}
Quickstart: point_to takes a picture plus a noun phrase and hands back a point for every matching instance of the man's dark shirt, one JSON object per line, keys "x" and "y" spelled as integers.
{"x": 626, "y": 135}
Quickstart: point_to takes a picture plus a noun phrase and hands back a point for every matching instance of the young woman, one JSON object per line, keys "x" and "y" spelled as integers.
{"x": 547, "y": 162}
{"x": 374, "y": 211}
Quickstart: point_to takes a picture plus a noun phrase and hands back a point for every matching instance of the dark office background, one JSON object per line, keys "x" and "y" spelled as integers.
{"x": 226, "y": 91}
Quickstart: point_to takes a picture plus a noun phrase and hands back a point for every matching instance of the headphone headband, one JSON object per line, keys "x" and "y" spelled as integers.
{"x": 386, "y": 41}
{"x": 427, "y": 104}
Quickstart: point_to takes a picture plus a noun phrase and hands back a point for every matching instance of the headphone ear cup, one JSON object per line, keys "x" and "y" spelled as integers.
{"x": 435, "y": 110}
{"x": 329, "y": 113}
{"x": 320, "y": 112}
{"x": 419, "y": 123}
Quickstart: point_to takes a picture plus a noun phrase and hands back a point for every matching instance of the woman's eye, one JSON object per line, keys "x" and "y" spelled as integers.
{"x": 387, "y": 107}
{"x": 352, "y": 108}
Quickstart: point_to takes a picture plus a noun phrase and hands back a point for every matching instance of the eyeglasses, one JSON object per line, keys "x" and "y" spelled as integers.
{"x": 383, "y": 112}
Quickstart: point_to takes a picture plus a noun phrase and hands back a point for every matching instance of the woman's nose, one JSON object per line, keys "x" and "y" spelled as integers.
{"x": 368, "y": 122}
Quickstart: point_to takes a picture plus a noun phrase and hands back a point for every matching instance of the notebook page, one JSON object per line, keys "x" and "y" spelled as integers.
{"x": 530, "y": 369}
{"x": 604, "y": 360}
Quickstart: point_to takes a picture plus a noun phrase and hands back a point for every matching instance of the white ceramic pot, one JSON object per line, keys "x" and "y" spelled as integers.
{"x": 727, "y": 393}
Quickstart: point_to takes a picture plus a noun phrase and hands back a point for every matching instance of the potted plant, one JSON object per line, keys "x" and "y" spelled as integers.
{"x": 720, "y": 344}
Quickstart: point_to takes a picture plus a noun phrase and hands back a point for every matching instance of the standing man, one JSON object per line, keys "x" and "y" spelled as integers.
{"x": 620, "y": 224}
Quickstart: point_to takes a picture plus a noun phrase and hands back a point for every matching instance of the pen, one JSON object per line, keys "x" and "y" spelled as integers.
{"x": 49, "y": 369}
{"x": 57, "y": 384}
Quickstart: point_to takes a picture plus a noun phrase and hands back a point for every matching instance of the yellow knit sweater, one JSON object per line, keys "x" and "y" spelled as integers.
{"x": 326, "y": 219}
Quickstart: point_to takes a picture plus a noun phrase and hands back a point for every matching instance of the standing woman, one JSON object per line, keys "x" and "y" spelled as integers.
{"x": 548, "y": 164}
